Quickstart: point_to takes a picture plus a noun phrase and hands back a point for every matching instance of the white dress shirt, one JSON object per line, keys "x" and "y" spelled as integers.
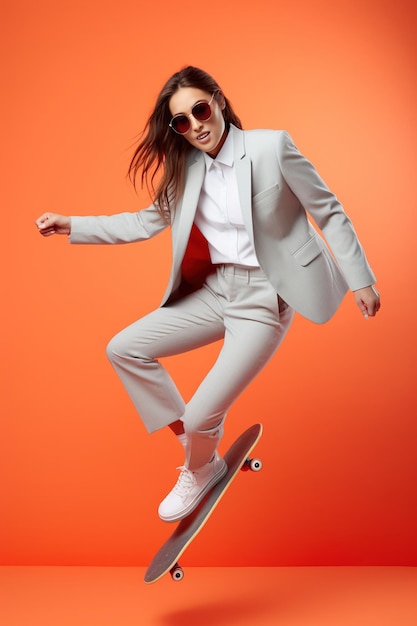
{"x": 219, "y": 214}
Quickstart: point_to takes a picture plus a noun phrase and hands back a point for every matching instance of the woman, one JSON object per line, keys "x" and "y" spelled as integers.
{"x": 245, "y": 257}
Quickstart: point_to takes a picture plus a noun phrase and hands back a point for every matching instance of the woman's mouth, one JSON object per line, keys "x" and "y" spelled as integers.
{"x": 202, "y": 136}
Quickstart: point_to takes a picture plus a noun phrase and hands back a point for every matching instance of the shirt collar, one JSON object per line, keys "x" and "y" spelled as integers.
{"x": 225, "y": 156}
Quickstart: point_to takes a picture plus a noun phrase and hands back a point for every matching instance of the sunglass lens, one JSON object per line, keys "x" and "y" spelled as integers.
{"x": 201, "y": 111}
{"x": 181, "y": 124}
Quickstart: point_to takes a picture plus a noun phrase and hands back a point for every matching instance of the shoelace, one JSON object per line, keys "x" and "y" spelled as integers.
{"x": 186, "y": 481}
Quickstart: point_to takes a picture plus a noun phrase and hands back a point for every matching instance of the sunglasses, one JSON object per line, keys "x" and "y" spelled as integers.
{"x": 201, "y": 111}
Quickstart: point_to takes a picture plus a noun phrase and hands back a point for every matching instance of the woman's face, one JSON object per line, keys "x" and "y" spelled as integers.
{"x": 208, "y": 135}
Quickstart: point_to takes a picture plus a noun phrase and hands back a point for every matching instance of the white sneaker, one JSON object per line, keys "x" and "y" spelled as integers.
{"x": 191, "y": 488}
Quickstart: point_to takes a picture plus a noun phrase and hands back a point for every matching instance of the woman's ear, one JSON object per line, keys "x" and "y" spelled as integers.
{"x": 221, "y": 100}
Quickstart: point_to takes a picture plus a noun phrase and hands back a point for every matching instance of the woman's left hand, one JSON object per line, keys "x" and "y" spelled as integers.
{"x": 368, "y": 301}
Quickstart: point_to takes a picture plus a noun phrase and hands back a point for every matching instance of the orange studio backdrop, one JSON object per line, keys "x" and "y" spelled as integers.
{"x": 80, "y": 478}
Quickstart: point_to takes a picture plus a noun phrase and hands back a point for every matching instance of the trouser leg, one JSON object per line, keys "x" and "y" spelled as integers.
{"x": 254, "y": 328}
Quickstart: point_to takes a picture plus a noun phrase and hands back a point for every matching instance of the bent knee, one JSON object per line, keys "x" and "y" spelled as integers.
{"x": 123, "y": 346}
{"x": 114, "y": 348}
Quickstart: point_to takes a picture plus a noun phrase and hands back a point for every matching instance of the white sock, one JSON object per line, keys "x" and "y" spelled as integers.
{"x": 183, "y": 439}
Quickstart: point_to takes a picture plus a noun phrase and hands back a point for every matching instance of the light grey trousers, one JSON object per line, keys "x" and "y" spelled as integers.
{"x": 235, "y": 304}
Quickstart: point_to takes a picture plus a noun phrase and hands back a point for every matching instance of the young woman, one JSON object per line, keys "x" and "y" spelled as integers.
{"x": 245, "y": 257}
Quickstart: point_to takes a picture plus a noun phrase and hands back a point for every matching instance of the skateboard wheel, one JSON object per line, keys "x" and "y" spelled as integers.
{"x": 177, "y": 573}
{"x": 255, "y": 465}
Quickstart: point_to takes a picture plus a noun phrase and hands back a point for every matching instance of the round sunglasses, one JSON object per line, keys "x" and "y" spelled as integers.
{"x": 201, "y": 111}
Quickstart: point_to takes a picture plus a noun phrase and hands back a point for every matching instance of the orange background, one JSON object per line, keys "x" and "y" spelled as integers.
{"x": 80, "y": 478}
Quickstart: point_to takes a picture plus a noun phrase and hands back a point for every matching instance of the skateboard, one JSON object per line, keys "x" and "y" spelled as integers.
{"x": 237, "y": 458}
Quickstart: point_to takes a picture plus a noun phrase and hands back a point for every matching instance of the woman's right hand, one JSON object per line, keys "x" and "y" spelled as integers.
{"x": 53, "y": 224}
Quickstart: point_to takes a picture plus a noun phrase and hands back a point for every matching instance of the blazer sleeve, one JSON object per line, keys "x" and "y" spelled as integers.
{"x": 327, "y": 212}
{"x": 117, "y": 229}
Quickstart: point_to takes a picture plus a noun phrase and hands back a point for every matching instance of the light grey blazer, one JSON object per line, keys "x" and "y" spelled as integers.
{"x": 278, "y": 189}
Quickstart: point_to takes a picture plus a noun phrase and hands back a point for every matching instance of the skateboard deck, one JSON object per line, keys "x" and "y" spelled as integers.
{"x": 166, "y": 559}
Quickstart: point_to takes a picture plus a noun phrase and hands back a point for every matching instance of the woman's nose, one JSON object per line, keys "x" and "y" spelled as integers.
{"x": 195, "y": 124}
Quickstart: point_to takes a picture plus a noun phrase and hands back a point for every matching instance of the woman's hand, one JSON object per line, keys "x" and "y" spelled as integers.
{"x": 368, "y": 301}
{"x": 53, "y": 224}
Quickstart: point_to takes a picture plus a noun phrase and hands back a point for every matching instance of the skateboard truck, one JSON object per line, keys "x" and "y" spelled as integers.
{"x": 177, "y": 573}
{"x": 254, "y": 465}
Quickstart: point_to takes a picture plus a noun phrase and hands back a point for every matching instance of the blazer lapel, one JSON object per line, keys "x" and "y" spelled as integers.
{"x": 188, "y": 207}
{"x": 244, "y": 179}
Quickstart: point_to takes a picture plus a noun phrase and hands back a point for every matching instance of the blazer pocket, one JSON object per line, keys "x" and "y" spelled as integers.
{"x": 308, "y": 252}
{"x": 258, "y": 197}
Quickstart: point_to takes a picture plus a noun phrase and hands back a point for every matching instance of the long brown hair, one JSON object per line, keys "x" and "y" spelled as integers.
{"x": 162, "y": 149}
